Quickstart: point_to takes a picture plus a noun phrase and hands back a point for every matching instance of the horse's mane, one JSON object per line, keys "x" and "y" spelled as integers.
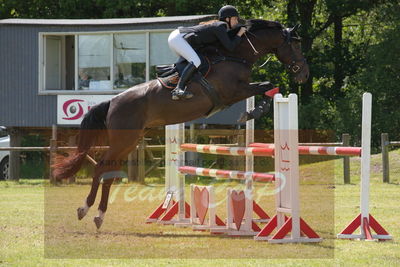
{"x": 253, "y": 25}
{"x": 260, "y": 24}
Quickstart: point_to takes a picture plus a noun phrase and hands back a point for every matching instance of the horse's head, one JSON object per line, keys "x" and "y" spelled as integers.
{"x": 284, "y": 43}
{"x": 289, "y": 52}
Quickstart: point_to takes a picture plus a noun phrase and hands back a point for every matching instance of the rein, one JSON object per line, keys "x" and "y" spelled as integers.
{"x": 252, "y": 46}
{"x": 254, "y": 49}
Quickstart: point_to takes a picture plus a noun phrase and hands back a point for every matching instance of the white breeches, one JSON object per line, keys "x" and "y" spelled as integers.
{"x": 181, "y": 47}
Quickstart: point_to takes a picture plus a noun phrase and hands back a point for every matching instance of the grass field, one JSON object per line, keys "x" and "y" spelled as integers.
{"x": 38, "y": 225}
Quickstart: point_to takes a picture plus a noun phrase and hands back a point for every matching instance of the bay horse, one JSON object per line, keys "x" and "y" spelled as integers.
{"x": 125, "y": 117}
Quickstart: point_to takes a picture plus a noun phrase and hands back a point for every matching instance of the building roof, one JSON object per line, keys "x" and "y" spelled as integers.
{"x": 107, "y": 21}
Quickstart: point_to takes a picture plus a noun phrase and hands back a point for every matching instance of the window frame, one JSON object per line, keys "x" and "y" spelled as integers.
{"x": 42, "y": 52}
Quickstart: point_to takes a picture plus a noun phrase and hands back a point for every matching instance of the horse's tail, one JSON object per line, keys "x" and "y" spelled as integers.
{"x": 92, "y": 127}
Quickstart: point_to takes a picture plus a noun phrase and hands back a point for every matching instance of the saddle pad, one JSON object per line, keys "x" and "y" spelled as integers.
{"x": 171, "y": 81}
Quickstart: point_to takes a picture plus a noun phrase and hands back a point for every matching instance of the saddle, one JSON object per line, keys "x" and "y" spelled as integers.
{"x": 169, "y": 75}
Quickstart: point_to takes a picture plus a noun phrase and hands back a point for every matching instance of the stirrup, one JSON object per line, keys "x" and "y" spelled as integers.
{"x": 178, "y": 94}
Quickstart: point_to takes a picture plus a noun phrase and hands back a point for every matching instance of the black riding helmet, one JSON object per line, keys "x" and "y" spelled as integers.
{"x": 227, "y": 12}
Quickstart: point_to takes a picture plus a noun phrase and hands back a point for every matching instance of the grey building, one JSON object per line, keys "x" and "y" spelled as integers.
{"x": 46, "y": 65}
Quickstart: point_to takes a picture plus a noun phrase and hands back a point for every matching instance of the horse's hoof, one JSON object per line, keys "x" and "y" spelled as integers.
{"x": 98, "y": 221}
{"x": 81, "y": 213}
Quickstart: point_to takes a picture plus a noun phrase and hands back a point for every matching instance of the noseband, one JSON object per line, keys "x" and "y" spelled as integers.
{"x": 294, "y": 67}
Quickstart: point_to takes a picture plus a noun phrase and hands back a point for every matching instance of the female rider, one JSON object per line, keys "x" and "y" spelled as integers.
{"x": 184, "y": 40}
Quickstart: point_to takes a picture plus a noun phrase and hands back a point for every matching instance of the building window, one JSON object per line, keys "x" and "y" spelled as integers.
{"x": 94, "y": 62}
{"x": 129, "y": 60}
{"x": 90, "y": 62}
{"x": 160, "y": 53}
{"x": 59, "y": 62}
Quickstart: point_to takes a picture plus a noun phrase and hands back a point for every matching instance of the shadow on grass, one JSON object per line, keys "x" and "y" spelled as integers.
{"x": 154, "y": 235}
{"x": 177, "y": 235}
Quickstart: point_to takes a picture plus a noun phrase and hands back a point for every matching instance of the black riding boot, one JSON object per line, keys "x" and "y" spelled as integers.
{"x": 180, "y": 91}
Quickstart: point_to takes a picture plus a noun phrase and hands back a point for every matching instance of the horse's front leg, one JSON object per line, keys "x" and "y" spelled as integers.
{"x": 89, "y": 201}
{"x": 260, "y": 88}
{"x": 267, "y": 90}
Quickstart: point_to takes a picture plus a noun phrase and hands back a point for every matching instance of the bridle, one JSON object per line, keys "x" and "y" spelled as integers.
{"x": 294, "y": 66}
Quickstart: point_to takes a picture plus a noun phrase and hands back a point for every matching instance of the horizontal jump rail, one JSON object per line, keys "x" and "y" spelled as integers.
{"x": 394, "y": 143}
{"x": 260, "y": 149}
{"x": 319, "y": 150}
{"x": 300, "y": 144}
{"x": 61, "y": 148}
{"x": 322, "y": 144}
{"x": 228, "y": 174}
{"x": 224, "y": 150}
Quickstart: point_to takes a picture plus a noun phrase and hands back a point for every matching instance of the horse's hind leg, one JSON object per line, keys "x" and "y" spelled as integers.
{"x": 89, "y": 201}
{"x": 82, "y": 211}
{"x": 98, "y": 220}
{"x": 122, "y": 142}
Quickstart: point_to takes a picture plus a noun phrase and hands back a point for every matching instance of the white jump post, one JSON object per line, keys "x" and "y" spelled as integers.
{"x": 365, "y": 220}
{"x": 174, "y": 202}
{"x": 250, "y": 134}
{"x": 287, "y": 178}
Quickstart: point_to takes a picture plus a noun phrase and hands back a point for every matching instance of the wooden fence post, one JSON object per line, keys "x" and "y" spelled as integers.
{"x": 133, "y": 166}
{"x": 15, "y": 141}
{"x": 53, "y": 151}
{"x": 71, "y": 142}
{"x": 141, "y": 161}
{"x": 385, "y": 156}
{"x": 346, "y": 159}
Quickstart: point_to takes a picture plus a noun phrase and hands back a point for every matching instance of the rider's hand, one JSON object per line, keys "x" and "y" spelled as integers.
{"x": 241, "y": 31}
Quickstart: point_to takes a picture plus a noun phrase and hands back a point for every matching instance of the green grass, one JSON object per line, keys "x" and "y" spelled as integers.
{"x": 38, "y": 225}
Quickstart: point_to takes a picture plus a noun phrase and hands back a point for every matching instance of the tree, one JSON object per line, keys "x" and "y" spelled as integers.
{"x": 351, "y": 46}
{"x": 380, "y": 72}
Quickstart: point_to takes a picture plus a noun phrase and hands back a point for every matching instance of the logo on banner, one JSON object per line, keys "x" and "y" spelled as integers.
{"x": 73, "y": 109}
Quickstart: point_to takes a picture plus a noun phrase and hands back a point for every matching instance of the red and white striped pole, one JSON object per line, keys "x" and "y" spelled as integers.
{"x": 228, "y": 174}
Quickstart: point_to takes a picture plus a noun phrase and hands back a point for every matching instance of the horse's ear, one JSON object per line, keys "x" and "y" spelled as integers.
{"x": 295, "y": 28}
{"x": 293, "y": 32}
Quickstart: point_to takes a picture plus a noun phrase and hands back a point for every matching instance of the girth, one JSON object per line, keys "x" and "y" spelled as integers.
{"x": 210, "y": 91}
